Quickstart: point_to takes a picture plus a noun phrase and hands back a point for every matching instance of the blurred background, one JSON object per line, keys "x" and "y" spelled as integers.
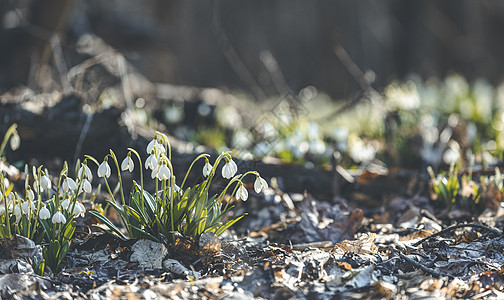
{"x": 321, "y": 83}
{"x": 230, "y": 44}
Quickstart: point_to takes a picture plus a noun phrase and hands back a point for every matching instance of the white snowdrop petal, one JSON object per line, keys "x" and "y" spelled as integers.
{"x": 124, "y": 164}
{"x": 58, "y": 218}
{"x": 242, "y": 193}
{"x": 151, "y": 145}
{"x": 65, "y": 203}
{"x": 89, "y": 174}
{"x": 131, "y": 165}
{"x": 45, "y": 182}
{"x": 87, "y": 186}
{"x": 44, "y": 213}
{"x": 207, "y": 169}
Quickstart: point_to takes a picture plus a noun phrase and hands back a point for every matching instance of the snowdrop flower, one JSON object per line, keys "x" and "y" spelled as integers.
{"x": 127, "y": 164}
{"x": 155, "y": 171}
{"x": 260, "y": 184}
{"x": 45, "y": 182}
{"x": 44, "y": 213}
{"x": 164, "y": 172}
{"x": 69, "y": 184}
{"x": 2, "y": 210}
{"x": 176, "y": 188}
{"x": 151, "y": 162}
{"x": 17, "y": 211}
{"x": 86, "y": 171}
{"x": 151, "y": 145}
{"x": 27, "y": 207}
{"x": 65, "y": 203}
{"x": 207, "y": 169}
{"x": 82, "y": 208}
{"x": 15, "y": 141}
{"x": 35, "y": 185}
{"x": 1, "y": 196}
{"x": 86, "y": 185}
{"x": 229, "y": 169}
{"x": 242, "y": 193}
{"x": 104, "y": 169}
{"x": 78, "y": 209}
{"x": 58, "y": 218}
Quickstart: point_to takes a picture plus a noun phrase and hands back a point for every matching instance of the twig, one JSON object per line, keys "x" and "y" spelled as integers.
{"x": 271, "y": 65}
{"x": 232, "y": 56}
{"x": 82, "y": 136}
{"x": 59, "y": 61}
{"x": 422, "y": 267}
{"x": 448, "y": 229}
{"x": 367, "y": 91}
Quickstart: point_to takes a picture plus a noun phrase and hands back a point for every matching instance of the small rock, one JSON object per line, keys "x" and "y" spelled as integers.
{"x": 148, "y": 254}
{"x": 176, "y": 267}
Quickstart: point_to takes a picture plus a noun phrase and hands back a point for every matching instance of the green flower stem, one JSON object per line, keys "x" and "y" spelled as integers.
{"x": 112, "y": 154}
{"x": 190, "y": 167}
{"x": 124, "y": 221}
{"x": 172, "y": 197}
{"x": 141, "y": 175}
{"x": 12, "y": 129}
{"x": 236, "y": 187}
{"x": 2, "y": 189}
{"x": 166, "y": 141}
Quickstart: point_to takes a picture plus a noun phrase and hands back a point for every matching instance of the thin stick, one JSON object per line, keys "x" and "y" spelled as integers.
{"x": 448, "y": 229}
{"x": 422, "y": 267}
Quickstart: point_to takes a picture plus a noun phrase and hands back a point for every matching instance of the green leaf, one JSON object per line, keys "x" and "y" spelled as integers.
{"x": 39, "y": 270}
{"x": 47, "y": 229}
{"x": 109, "y": 224}
{"x": 69, "y": 230}
{"x": 4, "y": 232}
{"x": 141, "y": 231}
{"x": 228, "y": 224}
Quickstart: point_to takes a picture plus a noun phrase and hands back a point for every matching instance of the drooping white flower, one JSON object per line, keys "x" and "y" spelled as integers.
{"x": 104, "y": 169}
{"x": 164, "y": 172}
{"x": 155, "y": 171}
{"x": 207, "y": 169}
{"x": 17, "y": 211}
{"x": 65, "y": 203}
{"x": 44, "y": 213}
{"x": 78, "y": 209}
{"x": 229, "y": 169}
{"x": 233, "y": 166}
{"x": 27, "y": 207}
{"x": 58, "y": 218}
{"x": 242, "y": 193}
{"x": 2, "y": 210}
{"x": 82, "y": 208}
{"x": 175, "y": 187}
{"x": 151, "y": 145}
{"x": 160, "y": 149}
{"x": 260, "y": 184}
{"x": 86, "y": 171}
{"x": 69, "y": 184}
{"x": 45, "y": 182}
{"x": 151, "y": 162}
{"x": 86, "y": 185}
{"x": 15, "y": 141}
{"x": 127, "y": 164}
{"x": 1, "y": 196}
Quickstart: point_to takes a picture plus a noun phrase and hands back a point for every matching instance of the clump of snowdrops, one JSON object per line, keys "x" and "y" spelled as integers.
{"x": 172, "y": 208}
{"x": 46, "y": 210}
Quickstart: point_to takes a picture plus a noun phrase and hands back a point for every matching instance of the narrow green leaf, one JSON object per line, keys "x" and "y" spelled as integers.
{"x": 108, "y": 223}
